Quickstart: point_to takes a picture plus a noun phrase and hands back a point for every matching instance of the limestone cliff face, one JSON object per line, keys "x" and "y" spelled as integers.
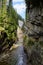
{"x": 34, "y": 31}
{"x": 34, "y": 21}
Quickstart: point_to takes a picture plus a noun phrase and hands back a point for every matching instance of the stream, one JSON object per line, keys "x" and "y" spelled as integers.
{"x": 22, "y": 60}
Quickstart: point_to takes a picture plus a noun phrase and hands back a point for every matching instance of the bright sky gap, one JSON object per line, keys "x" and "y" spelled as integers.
{"x": 19, "y": 6}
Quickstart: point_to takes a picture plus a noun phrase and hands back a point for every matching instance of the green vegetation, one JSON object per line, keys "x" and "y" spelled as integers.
{"x": 8, "y": 23}
{"x": 28, "y": 42}
{"x": 8, "y": 19}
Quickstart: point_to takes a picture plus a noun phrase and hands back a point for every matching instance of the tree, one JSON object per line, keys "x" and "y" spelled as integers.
{"x": 8, "y": 24}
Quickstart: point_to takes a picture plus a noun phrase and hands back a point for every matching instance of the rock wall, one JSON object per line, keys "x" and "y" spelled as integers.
{"x": 34, "y": 32}
{"x": 34, "y": 21}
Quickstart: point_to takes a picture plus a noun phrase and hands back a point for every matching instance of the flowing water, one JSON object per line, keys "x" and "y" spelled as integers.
{"x": 22, "y": 60}
{"x": 17, "y": 56}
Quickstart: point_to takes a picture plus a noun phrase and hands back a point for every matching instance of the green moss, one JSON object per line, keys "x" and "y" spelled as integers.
{"x": 41, "y": 43}
{"x": 30, "y": 43}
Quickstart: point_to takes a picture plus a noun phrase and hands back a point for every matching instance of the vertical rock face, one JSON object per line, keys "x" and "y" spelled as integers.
{"x": 34, "y": 28}
{"x": 34, "y": 18}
